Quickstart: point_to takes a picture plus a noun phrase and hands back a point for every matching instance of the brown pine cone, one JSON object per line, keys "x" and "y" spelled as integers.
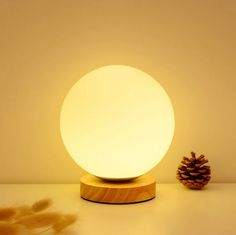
{"x": 193, "y": 173}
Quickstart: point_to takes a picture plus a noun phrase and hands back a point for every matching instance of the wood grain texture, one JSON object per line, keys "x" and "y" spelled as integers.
{"x": 95, "y": 189}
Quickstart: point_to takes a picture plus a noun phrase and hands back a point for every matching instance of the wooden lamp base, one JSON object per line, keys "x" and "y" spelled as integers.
{"x": 139, "y": 189}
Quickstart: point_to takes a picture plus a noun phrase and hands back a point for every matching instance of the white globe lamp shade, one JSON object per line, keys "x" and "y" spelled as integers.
{"x": 117, "y": 122}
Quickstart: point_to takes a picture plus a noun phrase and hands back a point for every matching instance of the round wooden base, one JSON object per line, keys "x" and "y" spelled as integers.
{"x": 139, "y": 189}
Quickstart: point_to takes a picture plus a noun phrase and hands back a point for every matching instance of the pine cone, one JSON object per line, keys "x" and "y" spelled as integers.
{"x": 193, "y": 173}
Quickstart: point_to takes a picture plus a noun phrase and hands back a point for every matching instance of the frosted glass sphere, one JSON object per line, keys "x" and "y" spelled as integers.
{"x": 117, "y": 122}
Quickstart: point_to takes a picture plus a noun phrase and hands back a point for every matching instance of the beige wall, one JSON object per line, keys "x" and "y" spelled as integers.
{"x": 47, "y": 45}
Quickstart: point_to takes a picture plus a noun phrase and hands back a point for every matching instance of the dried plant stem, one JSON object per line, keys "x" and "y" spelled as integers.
{"x": 44, "y": 231}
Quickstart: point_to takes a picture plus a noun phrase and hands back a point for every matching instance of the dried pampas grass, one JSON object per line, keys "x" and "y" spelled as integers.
{"x": 65, "y": 221}
{"x": 23, "y": 211}
{"x": 7, "y": 213}
{"x": 41, "y": 205}
{"x": 40, "y": 220}
{"x": 25, "y": 220}
{"x": 11, "y": 229}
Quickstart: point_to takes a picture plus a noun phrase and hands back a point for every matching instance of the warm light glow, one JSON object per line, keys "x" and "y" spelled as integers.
{"x": 117, "y": 122}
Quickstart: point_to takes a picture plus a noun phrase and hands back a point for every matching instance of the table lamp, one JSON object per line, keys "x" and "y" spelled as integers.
{"x": 117, "y": 123}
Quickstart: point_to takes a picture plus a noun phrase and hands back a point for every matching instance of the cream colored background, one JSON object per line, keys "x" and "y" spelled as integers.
{"x": 47, "y": 45}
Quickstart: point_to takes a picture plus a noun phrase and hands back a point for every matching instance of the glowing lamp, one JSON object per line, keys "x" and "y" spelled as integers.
{"x": 117, "y": 123}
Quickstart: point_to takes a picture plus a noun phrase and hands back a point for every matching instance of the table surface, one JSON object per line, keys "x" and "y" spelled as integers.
{"x": 176, "y": 210}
